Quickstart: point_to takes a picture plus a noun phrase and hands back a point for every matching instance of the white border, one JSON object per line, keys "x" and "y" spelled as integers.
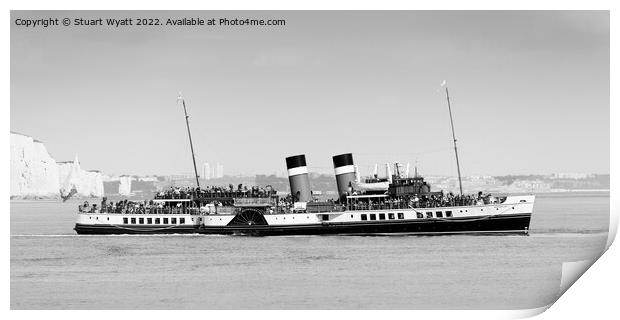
{"x": 595, "y": 294}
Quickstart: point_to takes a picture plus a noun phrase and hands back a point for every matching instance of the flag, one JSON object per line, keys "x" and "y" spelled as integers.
{"x": 444, "y": 83}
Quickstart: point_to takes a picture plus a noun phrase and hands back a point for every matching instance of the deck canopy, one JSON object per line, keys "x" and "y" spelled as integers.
{"x": 366, "y": 196}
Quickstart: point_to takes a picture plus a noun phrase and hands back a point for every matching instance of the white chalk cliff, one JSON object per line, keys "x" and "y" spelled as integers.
{"x": 35, "y": 174}
{"x": 86, "y": 183}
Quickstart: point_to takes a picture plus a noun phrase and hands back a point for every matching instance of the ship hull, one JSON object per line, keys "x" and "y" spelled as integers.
{"x": 103, "y": 229}
{"x": 501, "y": 224}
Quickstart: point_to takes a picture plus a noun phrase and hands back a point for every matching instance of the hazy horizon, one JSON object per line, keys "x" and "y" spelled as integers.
{"x": 529, "y": 91}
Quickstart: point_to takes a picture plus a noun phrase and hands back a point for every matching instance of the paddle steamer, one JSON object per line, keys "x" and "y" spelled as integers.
{"x": 396, "y": 204}
{"x": 406, "y": 206}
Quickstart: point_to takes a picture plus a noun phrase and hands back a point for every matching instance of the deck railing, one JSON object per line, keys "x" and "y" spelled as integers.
{"x": 140, "y": 210}
{"x": 217, "y": 194}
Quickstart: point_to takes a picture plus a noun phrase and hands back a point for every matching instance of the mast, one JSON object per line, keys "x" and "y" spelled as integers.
{"x": 456, "y": 153}
{"x": 190, "y": 138}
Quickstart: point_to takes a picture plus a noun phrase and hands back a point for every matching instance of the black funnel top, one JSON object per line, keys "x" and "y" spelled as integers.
{"x": 296, "y": 161}
{"x": 342, "y": 160}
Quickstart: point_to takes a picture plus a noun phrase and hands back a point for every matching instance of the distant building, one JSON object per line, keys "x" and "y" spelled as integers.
{"x": 206, "y": 171}
{"x": 572, "y": 176}
{"x": 532, "y": 185}
{"x": 124, "y": 186}
{"x": 219, "y": 173}
{"x": 175, "y": 177}
{"x": 147, "y": 179}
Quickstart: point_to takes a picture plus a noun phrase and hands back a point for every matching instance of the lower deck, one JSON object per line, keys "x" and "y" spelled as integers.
{"x": 508, "y": 217}
{"x": 133, "y": 229}
{"x": 518, "y": 223}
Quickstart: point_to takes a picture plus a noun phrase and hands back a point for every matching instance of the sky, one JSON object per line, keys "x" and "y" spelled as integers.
{"x": 529, "y": 91}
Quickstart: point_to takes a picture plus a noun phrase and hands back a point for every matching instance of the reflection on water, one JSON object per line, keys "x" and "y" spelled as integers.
{"x": 52, "y": 268}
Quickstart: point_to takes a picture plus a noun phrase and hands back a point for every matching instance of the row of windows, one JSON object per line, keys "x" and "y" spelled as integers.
{"x": 438, "y": 214}
{"x": 150, "y": 220}
{"x": 97, "y": 218}
{"x": 390, "y": 216}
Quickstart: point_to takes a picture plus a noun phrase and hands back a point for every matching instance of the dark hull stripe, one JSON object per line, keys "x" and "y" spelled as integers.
{"x": 506, "y": 224}
{"x": 132, "y": 229}
{"x": 493, "y": 224}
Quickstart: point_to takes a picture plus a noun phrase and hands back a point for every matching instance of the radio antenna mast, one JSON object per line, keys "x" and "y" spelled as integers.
{"x": 456, "y": 153}
{"x": 190, "y": 137}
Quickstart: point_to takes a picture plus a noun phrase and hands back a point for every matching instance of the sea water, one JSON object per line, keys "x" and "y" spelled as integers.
{"x": 53, "y": 268}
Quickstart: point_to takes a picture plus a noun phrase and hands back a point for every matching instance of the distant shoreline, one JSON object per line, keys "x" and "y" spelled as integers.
{"x": 577, "y": 190}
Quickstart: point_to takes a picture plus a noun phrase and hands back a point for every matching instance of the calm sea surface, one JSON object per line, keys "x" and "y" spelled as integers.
{"x": 52, "y": 268}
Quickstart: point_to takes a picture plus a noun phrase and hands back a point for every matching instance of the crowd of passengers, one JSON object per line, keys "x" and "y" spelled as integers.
{"x": 452, "y": 200}
{"x": 284, "y": 203}
{"x": 240, "y": 191}
{"x": 128, "y": 206}
{"x": 432, "y": 200}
